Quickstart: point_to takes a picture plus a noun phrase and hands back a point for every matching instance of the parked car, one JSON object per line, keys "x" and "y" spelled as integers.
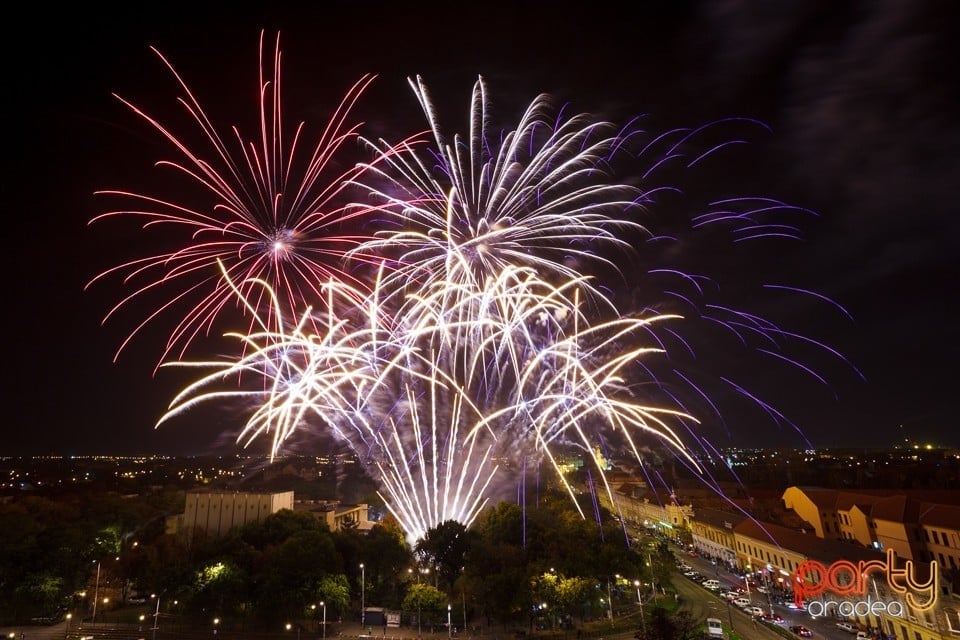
{"x": 712, "y": 584}
{"x": 801, "y": 631}
{"x": 863, "y": 635}
{"x": 754, "y": 611}
{"x": 742, "y": 602}
{"x": 846, "y": 626}
{"x": 772, "y": 619}
{"x": 730, "y": 595}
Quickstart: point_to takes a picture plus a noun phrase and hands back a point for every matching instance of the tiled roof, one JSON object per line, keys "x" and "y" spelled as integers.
{"x": 896, "y": 508}
{"x": 810, "y": 546}
{"x": 717, "y": 518}
{"x": 846, "y": 501}
{"x": 940, "y": 515}
{"x": 823, "y": 498}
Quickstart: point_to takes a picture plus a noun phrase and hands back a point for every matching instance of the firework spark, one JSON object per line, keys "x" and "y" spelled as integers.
{"x": 484, "y": 342}
{"x": 538, "y": 196}
{"x": 273, "y": 211}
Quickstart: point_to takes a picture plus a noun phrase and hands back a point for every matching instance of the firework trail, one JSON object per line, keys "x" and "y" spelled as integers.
{"x": 537, "y": 196}
{"x": 483, "y": 344}
{"x": 273, "y": 211}
{"x": 287, "y": 373}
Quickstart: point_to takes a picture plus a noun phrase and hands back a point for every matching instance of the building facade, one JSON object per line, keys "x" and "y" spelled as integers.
{"x": 216, "y": 513}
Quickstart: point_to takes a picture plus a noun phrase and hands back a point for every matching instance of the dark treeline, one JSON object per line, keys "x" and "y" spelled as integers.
{"x": 543, "y": 565}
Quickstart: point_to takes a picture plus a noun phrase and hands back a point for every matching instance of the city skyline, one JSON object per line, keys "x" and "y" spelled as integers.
{"x": 881, "y": 246}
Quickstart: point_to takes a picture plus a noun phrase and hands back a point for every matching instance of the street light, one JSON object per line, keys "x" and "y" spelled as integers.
{"x": 363, "y": 588}
{"x": 324, "y": 605}
{"x": 643, "y": 622}
{"x": 156, "y": 616}
{"x": 216, "y": 622}
{"x": 449, "y": 628}
{"x": 290, "y": 626}
{"x": 66, "y": 631}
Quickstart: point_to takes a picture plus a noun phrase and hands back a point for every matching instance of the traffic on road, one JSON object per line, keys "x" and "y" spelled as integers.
{"x": 759, "y": 602}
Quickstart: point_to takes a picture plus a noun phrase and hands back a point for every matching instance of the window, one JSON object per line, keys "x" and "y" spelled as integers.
{"x": 936, "y": 538}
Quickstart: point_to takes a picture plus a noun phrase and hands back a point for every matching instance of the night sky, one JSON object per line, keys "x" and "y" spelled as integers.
{"x": 862, "y": 101}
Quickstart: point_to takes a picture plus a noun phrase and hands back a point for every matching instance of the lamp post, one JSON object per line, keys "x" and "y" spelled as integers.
{"x": 66, "y": 632}
{"x": 156, "y": 616}
{"x": 216, "y": 623}
{"x": 449, "y": 628}
{"x": 290, "y": 626}
{"x": 769, "y": 587}
{"x": 363, "y": 588}
{"x": 324, "y": 605}
{"x": 609, "y": 602}
{"x": 653, "y": 579}
{"x": 643, "y": 622}
{"x": 96, "y": 593}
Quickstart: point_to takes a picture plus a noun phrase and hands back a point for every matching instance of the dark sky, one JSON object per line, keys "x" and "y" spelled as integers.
{"x": 862, "y": 100}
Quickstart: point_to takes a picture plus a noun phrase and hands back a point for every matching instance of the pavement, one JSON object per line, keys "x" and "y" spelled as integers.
{"x": 336, "y": 631}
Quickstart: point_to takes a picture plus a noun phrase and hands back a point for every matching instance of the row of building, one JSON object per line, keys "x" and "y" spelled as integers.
{"x": 833, "y": 547}
{"x": 217, "y": 512}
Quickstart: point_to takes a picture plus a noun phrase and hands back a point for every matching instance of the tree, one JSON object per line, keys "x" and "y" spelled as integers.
{"x": 445, "y": 548}
{"x": 496, "y": 575}
{"x": 663, "y": 626}
{"x": 334, "y": 590}
{"x": 220, "y": 588}
{"x": 387, "y": 558}
{"x": 428, "y": 601}
{"x": 663, "y": 563}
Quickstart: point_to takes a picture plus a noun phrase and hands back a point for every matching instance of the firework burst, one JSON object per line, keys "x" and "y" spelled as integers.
{"x": 485, "y": 341}
{"x": 538, "y": 195}
{"x": 274, "y": 212}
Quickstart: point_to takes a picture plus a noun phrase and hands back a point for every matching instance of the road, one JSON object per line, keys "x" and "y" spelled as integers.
{"x": 52, "y": 632}
{"x": 703, "y": 604}
{"x": 823, "y": 628}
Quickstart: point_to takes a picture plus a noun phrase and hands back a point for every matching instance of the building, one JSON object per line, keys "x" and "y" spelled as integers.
{"x": 339, "y": 516}
{"x": 216, "y": 512}
{"x": 713, "y": 534}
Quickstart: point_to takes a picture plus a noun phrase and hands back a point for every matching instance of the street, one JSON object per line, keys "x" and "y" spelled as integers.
{"x": 824, "y": 628}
